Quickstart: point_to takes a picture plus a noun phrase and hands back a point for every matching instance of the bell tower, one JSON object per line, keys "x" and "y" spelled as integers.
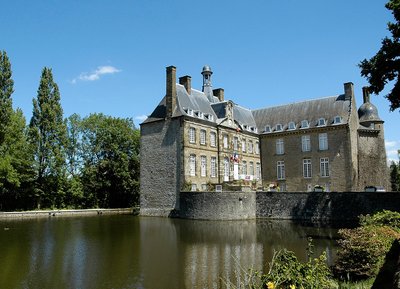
{"x": 207, "y": 87}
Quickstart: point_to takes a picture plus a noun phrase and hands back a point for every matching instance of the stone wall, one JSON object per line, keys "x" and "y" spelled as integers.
{"x": 324, "y": 206}
{"x": 218, "y": 206}
{"x": 160, "y": 167}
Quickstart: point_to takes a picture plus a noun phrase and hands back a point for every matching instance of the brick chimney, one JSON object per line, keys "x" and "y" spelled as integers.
{"x": 186, "y": 81}
{"x": 171, "y": 91}
{"x": 365, "y": 90}
{"x": 348, "y": 91}
{"x": 219, "y": 93}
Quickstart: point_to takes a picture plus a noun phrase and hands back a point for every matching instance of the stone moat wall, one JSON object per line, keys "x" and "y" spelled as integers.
{"x": 345, "y": 206}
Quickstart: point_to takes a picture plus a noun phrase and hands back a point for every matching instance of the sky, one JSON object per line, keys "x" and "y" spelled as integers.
{"x": 110, "y": 56}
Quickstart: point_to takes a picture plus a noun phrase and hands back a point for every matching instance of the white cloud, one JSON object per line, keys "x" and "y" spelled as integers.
{"x": 392, "y": 148}
{"x": 95, "y": 75}
{"x": 141, "y": 118}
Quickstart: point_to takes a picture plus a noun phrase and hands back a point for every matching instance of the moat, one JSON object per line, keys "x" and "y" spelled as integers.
{"x": 145, "y": 252}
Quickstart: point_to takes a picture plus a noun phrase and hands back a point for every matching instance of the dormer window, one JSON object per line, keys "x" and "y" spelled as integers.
{"x": 210, "y": 117}
{"x": 200, "y": 115}
{"x": 291, "y": 125}
{"x": 337, "y": 120}
{"x": 305, "y": 124}
{"x": 267, "y": 128}
{"x": 278, "y": 127}
{"x": 190, "y": 112}
{"x": 321, "y": 122}
{"x": 256, "y": 130}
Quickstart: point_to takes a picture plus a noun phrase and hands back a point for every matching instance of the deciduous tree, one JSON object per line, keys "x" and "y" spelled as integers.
{"x": 384, "y": 67}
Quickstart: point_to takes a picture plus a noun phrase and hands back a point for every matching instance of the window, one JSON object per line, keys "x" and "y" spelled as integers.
{"x": 194, "y": 188}
{"x": 323, "y": 141}
{"x": 210, "y": 117}
{"x": 324, "y": 167}
{"x": 304, "y": 124}
{"x": 278, "y": 127}
{"x": 200, "y": 115}
{"x": 280, "y": 150}
{"x": 291, "y": 126}
{"x": 192, "y": 165}
{"x": 250, "y": 147}
{"x": 202, "y": 137}
{"x": 226, "y": 169}
{"x": 213, "y": 139}
{"x": 305, "y": 143}
{"x": 257, "y": 147}
{"x": 258, "y": 171}
{"x": 192, "y": 135}
{"x": 190, "y": 112}
{"x": 337, "y": 120}
{"x": 225, "y": 141}
{"x": 244, "y": 145}
{"x": 251, "y": 169}
{"x": 244, "y": 168}
{"x": 267, "y": 128}
{"x": 321, "y": 122}
{"x": 235, "y": 143}
{"x": 213, "y": 167}
{"x": 204, "y": 187}
{"x": 283, "y": 187}
{"x": 307, "y": 173}
{"x": 280, "y": 170}
{"x": 203, "y": 166}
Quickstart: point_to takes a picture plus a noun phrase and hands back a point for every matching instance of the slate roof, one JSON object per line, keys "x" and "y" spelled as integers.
{"x": 311, "y": 110}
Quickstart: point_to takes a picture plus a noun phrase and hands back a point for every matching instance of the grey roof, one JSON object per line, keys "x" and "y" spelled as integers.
{"x": 368, "y": 112}
{"x": 312, "y": 110}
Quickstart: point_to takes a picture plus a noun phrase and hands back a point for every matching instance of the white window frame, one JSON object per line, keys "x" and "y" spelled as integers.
{"x": 250, "y": 150}
{"x": 304, "y": 124}
{"x": 324, "y": 167}
{"x": 203, "y": 166}
{"x": 323, "y": 141}
{"x": 192, "y": 135}
{"x": 321, "y": 122}
{"x": 213, "y": 166}
{"x": 225, "y": 141}
{"x": 243, "y": 145}
{"x": 226, "y": 169}
{"x": 280, "y": 170}
{"x": 267, "y": 128}
{"x": 337, "y": 120}
{"x": 305, "y": 143}
{"x": 192, "y": 165}
{"x": 258, "y": 171}
{"x": 307, "y": 169}
{"x": 193, "y": 188}
{"x": 235, "y": 143}
{"x": 291, "y": 125}
{"x": 251, "y": 168}
{"x": 257, "y": 148}
{"x": 213, "y": 139}
{"x": 280, "y": 146}
{"x": 203, "y": 136}
{"x": 279, "y": 127}
{"x": 244, "y": 168}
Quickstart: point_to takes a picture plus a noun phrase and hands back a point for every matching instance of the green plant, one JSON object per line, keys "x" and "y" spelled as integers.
{"x": 287, "y": 272}
{"x": 384, "y": 218}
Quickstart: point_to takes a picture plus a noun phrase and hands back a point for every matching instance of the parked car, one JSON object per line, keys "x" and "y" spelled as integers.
{"x": 374, "y": 189}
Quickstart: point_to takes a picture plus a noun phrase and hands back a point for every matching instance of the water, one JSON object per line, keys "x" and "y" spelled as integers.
{"x": 139, "y": 252}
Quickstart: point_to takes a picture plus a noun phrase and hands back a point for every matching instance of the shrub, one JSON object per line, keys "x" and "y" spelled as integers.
{"x": 362, "y": 250}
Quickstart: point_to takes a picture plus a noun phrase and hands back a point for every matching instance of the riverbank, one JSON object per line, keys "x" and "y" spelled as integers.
{"x": 66, "y": 213}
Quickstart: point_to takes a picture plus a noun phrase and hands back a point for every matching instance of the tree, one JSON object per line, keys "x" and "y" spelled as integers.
{"x": 6, "y": 90}
{"x": 110, "y": 154}
{"x": 395, "y": 177}
{"x": 48, "y": 134}
{"x": 384, "y": 67}
{"x": 15, "y": 157}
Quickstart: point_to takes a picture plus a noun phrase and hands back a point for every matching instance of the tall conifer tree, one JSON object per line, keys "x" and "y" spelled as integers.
{"x": 6, "y": 90}
{"x": 48, "y": 134}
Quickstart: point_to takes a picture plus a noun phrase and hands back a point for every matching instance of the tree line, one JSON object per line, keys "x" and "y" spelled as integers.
{"x": 57, "y": 162}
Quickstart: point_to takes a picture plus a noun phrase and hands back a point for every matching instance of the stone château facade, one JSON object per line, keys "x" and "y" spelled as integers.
{"x": 196, "y": 139}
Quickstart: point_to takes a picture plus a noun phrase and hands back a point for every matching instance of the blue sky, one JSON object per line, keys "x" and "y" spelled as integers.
{"x": 110, "y": 56}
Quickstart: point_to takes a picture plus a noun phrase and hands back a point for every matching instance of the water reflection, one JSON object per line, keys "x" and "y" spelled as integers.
{"x": 134, "y": 252}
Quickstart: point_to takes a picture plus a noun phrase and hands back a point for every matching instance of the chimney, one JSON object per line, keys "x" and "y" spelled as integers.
{"x": 186, "y": 81}
{"x": 219, "y": 93}
{"x": 365, "y": 90}
{"x": 348, "y": 91}
{"x": 171, "y": 90}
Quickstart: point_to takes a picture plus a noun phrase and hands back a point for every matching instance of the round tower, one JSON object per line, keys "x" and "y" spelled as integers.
{"x": 207, "y": 87}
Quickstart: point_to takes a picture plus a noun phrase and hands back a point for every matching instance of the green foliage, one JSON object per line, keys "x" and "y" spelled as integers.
{"x": 287, "y": 272}
{"x": 395, "y": 177}
{"x": 110, "y": 156}
{"x": 6, "y": 90}
{"x": 384, "y": 67}
{"x": 48, "y": 137}
{"x": 362, "y": 250}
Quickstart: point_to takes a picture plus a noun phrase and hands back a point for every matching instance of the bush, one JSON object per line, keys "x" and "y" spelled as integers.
{"x": 362, "y": 250}
{"x": 287, "y": 272}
